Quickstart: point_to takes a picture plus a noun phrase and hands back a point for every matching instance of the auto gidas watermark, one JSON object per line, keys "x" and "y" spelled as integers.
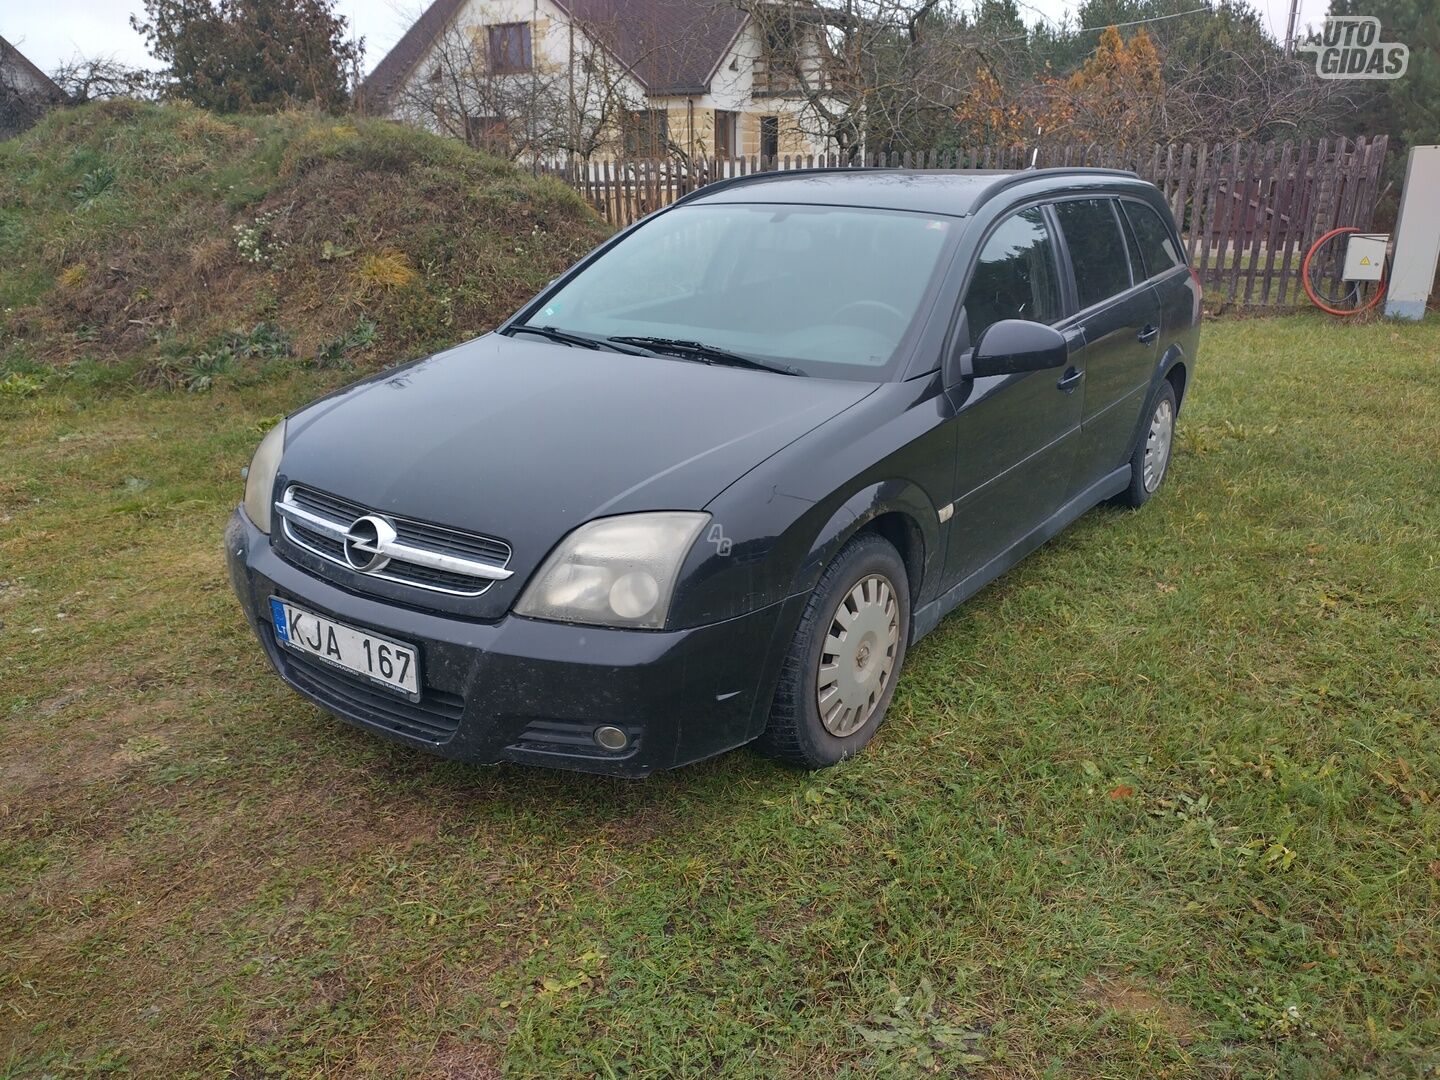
{"x": 1350, "y": 48}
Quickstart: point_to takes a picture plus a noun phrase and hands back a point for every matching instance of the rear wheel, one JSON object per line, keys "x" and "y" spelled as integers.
{"x": 840, "y": 673}
{"x": 1150, "y": 459}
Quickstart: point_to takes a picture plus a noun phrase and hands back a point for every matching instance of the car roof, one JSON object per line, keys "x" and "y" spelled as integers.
{"x": 955, "y": 192}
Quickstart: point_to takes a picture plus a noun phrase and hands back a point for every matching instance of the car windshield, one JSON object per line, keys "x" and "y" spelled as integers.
{"x": 830, "y": 291}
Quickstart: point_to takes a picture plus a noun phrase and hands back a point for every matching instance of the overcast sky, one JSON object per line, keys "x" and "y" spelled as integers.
{"x": 52, "y": 31}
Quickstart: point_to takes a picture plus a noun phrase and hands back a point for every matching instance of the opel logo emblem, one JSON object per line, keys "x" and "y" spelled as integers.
{"x": 367, "y": 542}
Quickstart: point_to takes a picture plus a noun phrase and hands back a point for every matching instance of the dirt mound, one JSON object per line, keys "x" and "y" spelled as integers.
{"x": 173, "y": 244}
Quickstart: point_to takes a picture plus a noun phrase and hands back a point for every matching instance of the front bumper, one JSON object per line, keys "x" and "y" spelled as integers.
{"x": 530, "y": 691}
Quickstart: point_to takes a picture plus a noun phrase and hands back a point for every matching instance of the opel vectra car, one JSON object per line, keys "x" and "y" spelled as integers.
{"x": 709, "y": 486}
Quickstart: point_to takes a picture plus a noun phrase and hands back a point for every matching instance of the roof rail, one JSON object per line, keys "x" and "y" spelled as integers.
{"x": 1002, "y": 182}
{"x": 1025, "y": 175}
{"x": 773, "y": 174}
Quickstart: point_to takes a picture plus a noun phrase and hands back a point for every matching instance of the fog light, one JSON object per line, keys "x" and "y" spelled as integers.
{"x": 611, "y": 738}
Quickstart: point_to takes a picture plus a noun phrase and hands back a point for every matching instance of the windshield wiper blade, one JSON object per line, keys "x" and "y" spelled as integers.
{"x": 579, "y": 341}
{"x": 710, "y": 353}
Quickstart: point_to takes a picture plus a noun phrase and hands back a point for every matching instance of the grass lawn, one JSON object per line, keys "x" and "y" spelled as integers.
{"x": 1163, "y": 801}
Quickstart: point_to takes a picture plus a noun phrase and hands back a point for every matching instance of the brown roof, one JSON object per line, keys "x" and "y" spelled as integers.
{"x": 671, "y": 46}
{"x": 397, "y": 64}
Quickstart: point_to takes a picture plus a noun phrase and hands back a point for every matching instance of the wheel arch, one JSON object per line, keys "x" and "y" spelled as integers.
{"x": 904, "y": 535}
{"x": 1172, "y": 369}
{"x": 898, "y": 511}
{"x": 1177, "y": 375}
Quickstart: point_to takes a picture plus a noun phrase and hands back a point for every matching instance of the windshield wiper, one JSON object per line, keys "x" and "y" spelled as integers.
{"x": 579, "y": 341}
{"x": 711, "y": 354}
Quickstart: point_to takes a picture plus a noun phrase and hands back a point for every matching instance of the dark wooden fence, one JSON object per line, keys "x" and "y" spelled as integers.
{"x": 1249, "y": 211}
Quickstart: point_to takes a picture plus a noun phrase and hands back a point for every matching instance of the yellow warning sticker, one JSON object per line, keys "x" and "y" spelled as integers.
{"x": 1365, "y": 261}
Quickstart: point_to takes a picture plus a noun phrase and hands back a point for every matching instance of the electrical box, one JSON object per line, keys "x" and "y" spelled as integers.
{"x": 1365, "y": 256}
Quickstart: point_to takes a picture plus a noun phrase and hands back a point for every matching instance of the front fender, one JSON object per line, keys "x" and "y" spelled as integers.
{"x": 902, "y": 497}
{"x": 740, "y": 564}
{"x": 773, "y": 531}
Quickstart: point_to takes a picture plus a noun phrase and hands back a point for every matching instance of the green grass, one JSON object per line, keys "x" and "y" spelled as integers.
{"x": 1163, "y": 801}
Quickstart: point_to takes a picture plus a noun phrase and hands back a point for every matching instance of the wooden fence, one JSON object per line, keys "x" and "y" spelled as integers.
{"x": 1248, "y": 211}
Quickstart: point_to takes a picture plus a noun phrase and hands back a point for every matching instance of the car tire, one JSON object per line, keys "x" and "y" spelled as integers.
{"x": 1150, "y": 460}
{"x": 853, "y": 680}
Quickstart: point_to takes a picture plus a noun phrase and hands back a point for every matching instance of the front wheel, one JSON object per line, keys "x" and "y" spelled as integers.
{"x": 1151, "y": 457}
{"x": 841, "y": 670}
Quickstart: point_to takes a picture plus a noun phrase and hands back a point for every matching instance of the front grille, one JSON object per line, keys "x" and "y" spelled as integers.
{"x": 435, "y": 538}
{"x": 433, "y": 718}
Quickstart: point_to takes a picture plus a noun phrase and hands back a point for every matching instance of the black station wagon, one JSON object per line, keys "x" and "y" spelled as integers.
{"x": 710, "y": 485}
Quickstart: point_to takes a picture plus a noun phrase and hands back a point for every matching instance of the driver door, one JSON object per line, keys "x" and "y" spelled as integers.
{"x": 1016, "y": 434}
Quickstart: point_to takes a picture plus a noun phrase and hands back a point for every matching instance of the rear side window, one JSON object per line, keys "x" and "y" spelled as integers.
{"x": 1097, "y": 248}
{"x": 1157, "y": 245}
{"x": 1015, "y": 277}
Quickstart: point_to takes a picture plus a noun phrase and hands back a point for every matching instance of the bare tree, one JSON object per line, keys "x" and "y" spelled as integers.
{"x": 901, "y": 75}
{"x": 1251, "y": 95}
{"x": 888, "y": 75}
{"x": 97, "y": 78}
{"x": 570, "y": 107}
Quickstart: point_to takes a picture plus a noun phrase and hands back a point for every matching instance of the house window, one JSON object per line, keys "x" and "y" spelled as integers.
{"x": 770, "y": 137}
{"x": 726, "y": 124}
{"x": 781, "y": 38}
{"x": 780, "y": 57}
{"x": 510, "y": 48}
{"x": 647, "y": 133}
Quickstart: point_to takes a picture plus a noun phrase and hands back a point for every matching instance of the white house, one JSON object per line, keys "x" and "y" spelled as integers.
{"x": 605, "y": 78}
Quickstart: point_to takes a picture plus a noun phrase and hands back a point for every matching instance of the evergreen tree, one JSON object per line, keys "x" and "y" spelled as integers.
{"x": 252, "y": 55}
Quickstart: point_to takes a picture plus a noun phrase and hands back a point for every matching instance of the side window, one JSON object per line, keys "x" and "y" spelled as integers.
{"x": 1015, "y": 277}
{"x": 1157, "y": 244}
{"x": 1097, "y": 249}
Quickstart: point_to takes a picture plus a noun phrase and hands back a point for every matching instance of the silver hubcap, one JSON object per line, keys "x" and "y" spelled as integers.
{"x": 858, "y": 656}
{"x": 1157, "y": 444}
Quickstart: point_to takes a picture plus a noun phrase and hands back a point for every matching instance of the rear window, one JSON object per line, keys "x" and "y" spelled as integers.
{"x": 1097, "y": 248}
{"x": 1157, "y": 245}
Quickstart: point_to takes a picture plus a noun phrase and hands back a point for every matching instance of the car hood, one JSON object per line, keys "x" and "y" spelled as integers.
{"x": 524, "y": 440}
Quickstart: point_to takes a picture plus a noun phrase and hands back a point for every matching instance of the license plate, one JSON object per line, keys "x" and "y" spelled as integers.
{"x": 381, "y": 660}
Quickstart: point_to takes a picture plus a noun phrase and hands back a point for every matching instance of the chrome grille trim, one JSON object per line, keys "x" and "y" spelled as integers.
{"x": 420, "y": 567}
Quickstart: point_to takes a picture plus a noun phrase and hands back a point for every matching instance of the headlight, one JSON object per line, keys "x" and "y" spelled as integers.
{"x": 260, "y": 479}
{"x": 617, "y": 571}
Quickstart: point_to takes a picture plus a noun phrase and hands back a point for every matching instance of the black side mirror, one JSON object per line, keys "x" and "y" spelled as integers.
{"x": 1012, "y": 346}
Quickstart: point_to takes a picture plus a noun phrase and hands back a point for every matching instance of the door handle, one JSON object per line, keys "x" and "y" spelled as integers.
{"x": 1148, "y": 335}
{"x": 1070, "y": 380}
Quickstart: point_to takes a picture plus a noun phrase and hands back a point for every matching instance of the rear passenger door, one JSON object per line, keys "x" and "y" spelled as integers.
{"x": 1016, "y": 434}
{"x": 1119, "y": 316}
{"x": 1162, "y": 255}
